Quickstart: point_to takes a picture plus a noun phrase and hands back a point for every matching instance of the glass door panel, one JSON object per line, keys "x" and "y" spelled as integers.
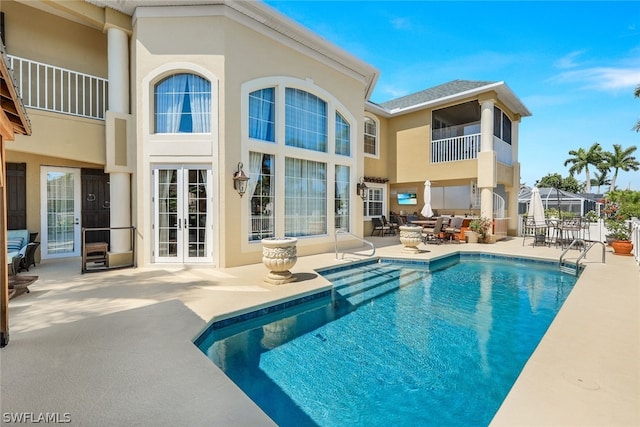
{"x": 60, "y": 212}
{"x": 182, "y": 221}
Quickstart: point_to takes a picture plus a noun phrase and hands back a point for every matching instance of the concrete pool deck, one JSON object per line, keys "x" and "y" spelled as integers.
{"x": 115, "y": 347}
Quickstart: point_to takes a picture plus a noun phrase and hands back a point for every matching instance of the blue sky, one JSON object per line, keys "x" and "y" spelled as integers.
{"x": 575, "y": 65}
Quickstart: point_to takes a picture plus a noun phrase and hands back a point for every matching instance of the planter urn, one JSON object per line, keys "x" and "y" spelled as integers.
{"x": 622, "y": 247}
{"x": 410, "y": 237}
{"x": 279, "y": 254}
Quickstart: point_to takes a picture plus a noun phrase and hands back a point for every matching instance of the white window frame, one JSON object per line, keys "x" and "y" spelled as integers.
{"x": 385, "y": 200}
{"x": 281, "y": 151}
{"x": 377, "y": 136}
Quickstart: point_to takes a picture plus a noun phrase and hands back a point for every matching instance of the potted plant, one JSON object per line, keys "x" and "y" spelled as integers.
{"x": 619, "y": 233}
{"x": 619, "y": 207}
{"x": 481, "y": 226}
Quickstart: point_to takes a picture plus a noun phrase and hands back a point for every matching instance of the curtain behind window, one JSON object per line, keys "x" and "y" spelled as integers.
{"x": 305, "y": 197}
{"x": 170, "y": 96}
{"x": 262, "y": 114}
{"x": 343, "y": 134}
{"x": 342, "y": 199}
{"x": 305, "y": 120}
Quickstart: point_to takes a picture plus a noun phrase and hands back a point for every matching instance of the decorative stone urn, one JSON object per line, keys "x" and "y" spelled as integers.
{"x": 410, "y": 237}
{"x": 279, "y": 254}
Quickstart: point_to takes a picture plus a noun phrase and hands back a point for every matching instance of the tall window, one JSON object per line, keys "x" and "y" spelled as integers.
{"x": 342, "y": 199}
{"x": 501, "y": 125}
{"x": 374, "y": 203}
{"x": 261, "y": 188}
{"x": 262, "y": 110}
{"x": 305, "y": 203}
{"x": 343, "y": 134}
{"x": 307, "y": 153}
{"x": 370, "y": 137}
{"x": 305, "y": 120}
{"x": 183, "y": 104}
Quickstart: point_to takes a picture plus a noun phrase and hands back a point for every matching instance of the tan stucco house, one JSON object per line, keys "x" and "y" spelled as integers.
{"x": 143, "y": 112}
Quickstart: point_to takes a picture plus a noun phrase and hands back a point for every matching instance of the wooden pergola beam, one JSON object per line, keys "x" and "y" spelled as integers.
{"x": 13, "y": 120}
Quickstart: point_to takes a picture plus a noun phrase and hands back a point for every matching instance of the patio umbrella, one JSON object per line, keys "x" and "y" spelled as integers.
{"x": 536, "y": 210}
{"x": 426, "y": 210}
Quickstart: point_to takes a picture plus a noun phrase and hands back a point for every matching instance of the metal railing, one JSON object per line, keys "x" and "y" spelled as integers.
{"x": 575, "y": 268}
{"x": 60, "y": 90}
{"x": 340, "y": 231}
{"x": 455, "y": 148}
{"x": 635, "y": 238}
{"x": 467, "y": 147}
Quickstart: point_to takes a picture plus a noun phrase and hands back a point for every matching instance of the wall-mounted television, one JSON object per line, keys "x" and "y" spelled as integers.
{"x": 407, "y": 199}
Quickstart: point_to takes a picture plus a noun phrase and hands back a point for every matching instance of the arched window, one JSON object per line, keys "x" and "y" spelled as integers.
{"x": 183, "y": 104}
{"x": 303, "y": 140}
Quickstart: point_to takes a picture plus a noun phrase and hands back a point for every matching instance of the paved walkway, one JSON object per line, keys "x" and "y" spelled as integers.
{"x": 115, "y": 348}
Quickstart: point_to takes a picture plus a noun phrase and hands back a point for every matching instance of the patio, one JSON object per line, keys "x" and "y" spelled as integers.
{"x": 115, "y": 348}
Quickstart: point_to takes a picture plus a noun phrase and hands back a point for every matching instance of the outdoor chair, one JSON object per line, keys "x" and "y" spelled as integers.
{"x": 454, "y": 227}
{"x": 432, "y": 235}
{"x": 537, "y": 231}
{"x": 393, "y": 225}
{"x": 29, "y": 257}
{"x": 379, "y": 227}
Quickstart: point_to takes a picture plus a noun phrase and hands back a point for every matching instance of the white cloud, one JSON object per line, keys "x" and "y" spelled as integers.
{"x": 569, "y": 61}
{"x": 603, "y": 78}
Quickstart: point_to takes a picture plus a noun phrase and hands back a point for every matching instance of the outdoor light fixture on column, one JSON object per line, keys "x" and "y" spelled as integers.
{"x": 362, "y": 189}
{"x": 240, "y": 180}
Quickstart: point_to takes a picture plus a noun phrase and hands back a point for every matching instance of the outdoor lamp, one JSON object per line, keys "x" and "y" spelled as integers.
{"x": 240, "y": 180}
{"x": 362, "y": 189}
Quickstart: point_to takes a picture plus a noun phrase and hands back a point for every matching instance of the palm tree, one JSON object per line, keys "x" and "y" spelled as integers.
{"x": 636, "y": 93}
{"x": 620, "y": 160}
{"x": 601, "y": 178}
{"x": 582, "y": 159}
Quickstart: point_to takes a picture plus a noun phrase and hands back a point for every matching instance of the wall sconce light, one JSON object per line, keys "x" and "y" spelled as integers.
{"x": 362, "y": 189}
{"x": 240, "y": 180}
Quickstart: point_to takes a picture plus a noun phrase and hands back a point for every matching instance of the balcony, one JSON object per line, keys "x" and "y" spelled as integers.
{"x": 446, "y": 146}
{"x": 59, "y": 90}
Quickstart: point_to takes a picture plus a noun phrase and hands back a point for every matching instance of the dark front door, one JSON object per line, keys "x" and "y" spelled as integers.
{"x": 95, "y": 204}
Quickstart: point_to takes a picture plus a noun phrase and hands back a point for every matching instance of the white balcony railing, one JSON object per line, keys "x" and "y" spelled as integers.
{"x": 50, "y": 88}
{"x": 456, "y": 148}
{"x": 466, "y": 148}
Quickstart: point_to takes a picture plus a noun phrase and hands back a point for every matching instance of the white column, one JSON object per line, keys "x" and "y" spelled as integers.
{"x": 486, "y": 125}
{"x": 486, "y": 160}
{"x": 120, "y": 182}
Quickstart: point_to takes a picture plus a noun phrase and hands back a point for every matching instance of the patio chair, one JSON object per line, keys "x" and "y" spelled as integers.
{"x": 432, "y": 235}
{"x": 379, "y": 227}
{"x": 29, "y": 257}
{"x": 454, "y": 227}
{"x": 393, "y": 225}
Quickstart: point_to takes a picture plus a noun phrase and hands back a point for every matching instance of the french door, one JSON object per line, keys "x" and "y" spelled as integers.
{"x": 60, "y": 212}
{"x": 182, "y": 214}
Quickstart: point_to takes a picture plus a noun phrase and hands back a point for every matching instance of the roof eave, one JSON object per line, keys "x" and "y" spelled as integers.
{"x": 505, "y": 94}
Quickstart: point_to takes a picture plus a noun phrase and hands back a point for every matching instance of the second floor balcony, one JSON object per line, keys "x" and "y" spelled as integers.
{"x": 467, "y": 147}
{"x": 60, "y": 90}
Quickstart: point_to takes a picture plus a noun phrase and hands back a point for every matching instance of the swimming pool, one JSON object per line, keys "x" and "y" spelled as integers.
{"x": 404, "y": 343}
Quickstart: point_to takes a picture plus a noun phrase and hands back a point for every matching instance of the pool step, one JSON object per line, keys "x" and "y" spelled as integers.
{"x": 363, "y": 284}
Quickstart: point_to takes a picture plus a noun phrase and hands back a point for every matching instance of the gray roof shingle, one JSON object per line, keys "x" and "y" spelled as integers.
{"x": 436, "y": 92}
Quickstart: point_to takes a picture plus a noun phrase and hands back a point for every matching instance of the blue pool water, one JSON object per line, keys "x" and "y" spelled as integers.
{"x": 403, "y": 344}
